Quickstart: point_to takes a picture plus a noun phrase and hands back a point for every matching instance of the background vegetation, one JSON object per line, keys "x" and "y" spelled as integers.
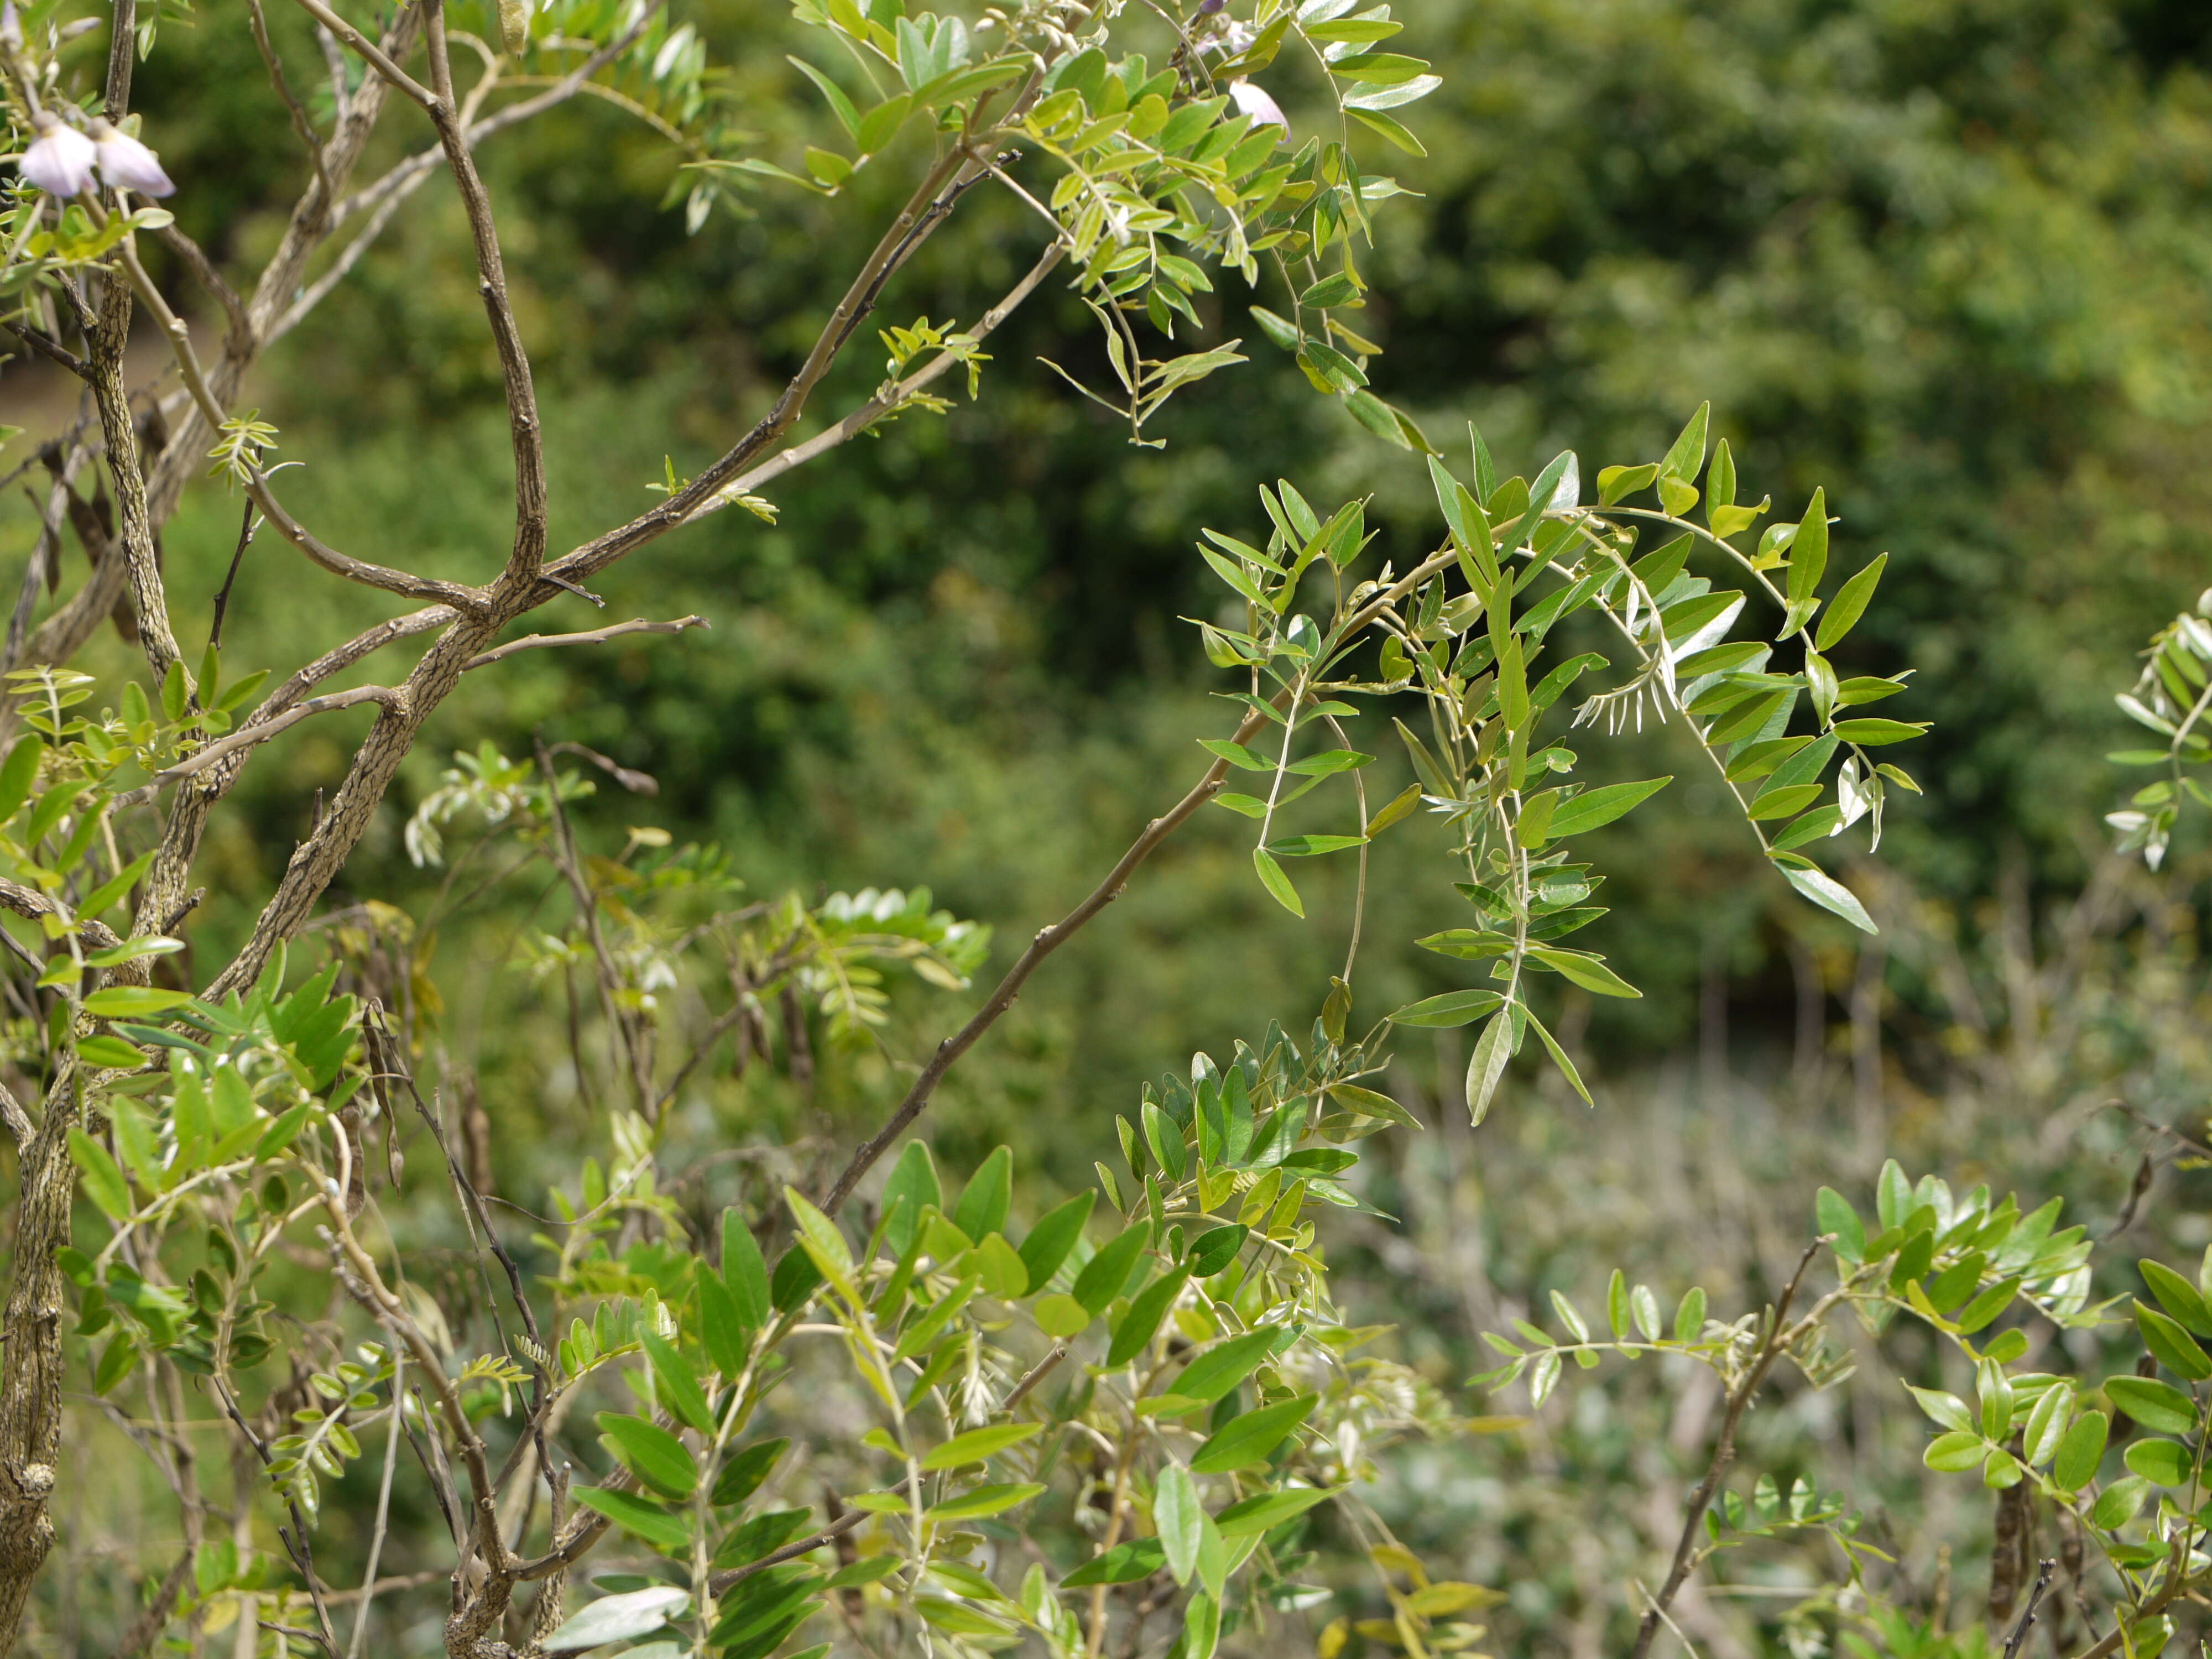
{"x": 1950, "y": 259}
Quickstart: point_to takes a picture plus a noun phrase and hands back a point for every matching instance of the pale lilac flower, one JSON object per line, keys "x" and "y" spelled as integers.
{"x": 1264, "y": 111}
{"x": 60, "y": 160}
{"x": 126, "y": 163}
{"x": 11, "y": 27}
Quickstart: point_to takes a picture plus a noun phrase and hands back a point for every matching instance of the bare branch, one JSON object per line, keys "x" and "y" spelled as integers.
{"x": 868, "y": 413}
{"x": 591, "y": 636}
{"x": 53, "y": 350}
{"x": 370, "y": 53}
{"x": 457, "y": 594}
{"x": 251, "y": 735}
{"x": 528, "y": 440}
{"x": 411, "y": 172}
{"x": 300, "y": 124}
{"x": 134, "y": 523}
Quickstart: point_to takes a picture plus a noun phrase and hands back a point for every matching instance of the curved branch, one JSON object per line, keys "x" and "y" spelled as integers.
{"x": 254, "y": 733}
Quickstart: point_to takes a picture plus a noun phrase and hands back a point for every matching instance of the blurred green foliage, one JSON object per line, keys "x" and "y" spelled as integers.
{"x": 1949, "y": 258}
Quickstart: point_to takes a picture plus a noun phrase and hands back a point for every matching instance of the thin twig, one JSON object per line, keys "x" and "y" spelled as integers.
{"x": 591, "y": 636}
{"x": 2019, "y": 1636}
{"x": 245, "y": 529}
{"x": 1686, "y": 1549}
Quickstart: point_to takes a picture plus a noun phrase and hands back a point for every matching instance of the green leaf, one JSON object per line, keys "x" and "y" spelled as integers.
{"x": 1216, "y": 1248}
{"x": 1142, "y": 1320}
{"x": 1832, "y": 1213}
{"x": 1945, "y": 1408}
{"x": 620, "y": 1618}
{"x": 676, "y": 1385}
{"x": 832, "y": 1253}
{"x": 1585, "y": 971}
{"x": 1392, "y": 130}
{"x": 1487, "y": 1063}
{"x": 2047, "y": 1424}
{"x": 1269, "y": 1509}
{"x": 1829, "y": 894}
{"x": 981, "y": 1501}
{"x": 1201, "y": 1627}
{"x": 1054, "y": 1235}
{"x": 1953, "y": 1452}
{"x": 742, "y": 1475}
{"x": 2174, "y": 1348}
{"x": 1060, "y": 1315}
{"x": 2116, "y": 1505}
{"x": 1165, "y": 1140}
{"x": 743, "y": 1271}
{"x": 17, "y": 774}
{"x": 103, "y": 1177}
{"x": 1560, "y": 1059}
{"x": 1106, "y": 1274}
{"x": 2159, "y": 1406}
{"x": 96, "y": 902}
{"x": 1808, "y": 553}
{"x": 1850, "y": 603}
{"x": 1220, "y": 1369}
{"x": 2161, "y": 1463}
{"x": 1690, "y": 1314}
{"x": 109, "y": 1053}
{"x": 1277, "y": 884}
{"x": 638, "y": 1516}
{"x": 999, "y": 1267}
{"x": 652, "y": 1453}
{"x": 2177, "y": 1297}
{"x": 988, "y": 1195}
{"x": 848, "y": 116}
{"x": 1876, "y": 732}
{"x": 133, "y": 1001}
{"x": 1452, "y": 1008}
{"x": 2080, "y": 1453}
{"x": 865, "y": 1570}
{"x": 978, "y": 1445}
{"x": 1687, "y": 457}
{"x": 1125, "y": 1564}
{"x": 1595, "y": 807}
{"x": 1251, "y": 1438}
{"x": 722, "y": 1332}
{"x": 1307, "y": 847}
{"x": 914, "y": 1178}
{"x": 1178, "y": 1517}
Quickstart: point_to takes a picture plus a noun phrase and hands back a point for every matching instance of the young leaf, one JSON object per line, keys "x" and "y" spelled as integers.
{"x": 988, "y": 1195}
{"x": 1277, "y": 884}
{"x": 978, "y": 1445}
{"x": 1488, "y": 1064}
{"x": 2079, "y": 1452}
{"x": 103, "y": 1177}
{"x": 1105, "y": 1274}
{"x": 1139, "y": 1325}
{"x": 1597, "y": 807}
{"x": 1054, "y": 1235}
{"x": 1850, "y": 603}
{"x": 648, "y": 1452}
{"x": 744, "y": 1272}
{"x": 1251, "y": 1438}
{"x": 639, "y": 1517}
{"x": 1176, "y": 1514}
{"x": 1829, "y": 893}
{"x": 676, "y": 1385}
